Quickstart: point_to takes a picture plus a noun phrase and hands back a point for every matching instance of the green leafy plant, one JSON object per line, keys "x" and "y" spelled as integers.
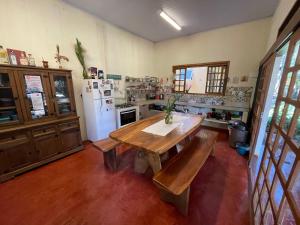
{"x": 79, "y": 51}
{"x": 171, "y": 105}
{"x": 58, "y": 57}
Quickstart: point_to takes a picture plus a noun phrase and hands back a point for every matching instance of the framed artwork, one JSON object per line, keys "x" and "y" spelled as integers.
{"x": 16, "y": 57}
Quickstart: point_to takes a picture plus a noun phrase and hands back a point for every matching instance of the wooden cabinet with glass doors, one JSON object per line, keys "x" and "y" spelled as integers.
{"x": 38, "y": 120}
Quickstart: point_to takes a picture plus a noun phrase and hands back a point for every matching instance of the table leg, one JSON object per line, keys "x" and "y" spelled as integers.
{"x": 141, "y": 163}
{"x": 154, "y": 161}
{"x": 184, "y": 142}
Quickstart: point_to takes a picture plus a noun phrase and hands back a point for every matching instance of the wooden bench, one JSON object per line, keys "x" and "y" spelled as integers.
{"x": 175, "y": 178}
{"x": 108, "y": 148}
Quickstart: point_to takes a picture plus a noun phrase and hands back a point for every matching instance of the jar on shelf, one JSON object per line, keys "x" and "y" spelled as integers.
{"x": 31, "y": 61}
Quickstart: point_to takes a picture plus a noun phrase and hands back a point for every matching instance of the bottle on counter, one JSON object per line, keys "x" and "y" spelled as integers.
{"x": 31, "y": 61}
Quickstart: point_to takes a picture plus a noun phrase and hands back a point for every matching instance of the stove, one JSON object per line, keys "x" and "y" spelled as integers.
{"x": 126, "y": 114}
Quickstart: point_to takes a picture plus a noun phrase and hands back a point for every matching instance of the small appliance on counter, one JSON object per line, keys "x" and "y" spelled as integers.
{"x": 99, "y": 108}
{"x": 126, "y": 114}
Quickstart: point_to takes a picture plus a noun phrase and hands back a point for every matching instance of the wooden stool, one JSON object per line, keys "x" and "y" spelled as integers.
{"x": 108, "y": 148}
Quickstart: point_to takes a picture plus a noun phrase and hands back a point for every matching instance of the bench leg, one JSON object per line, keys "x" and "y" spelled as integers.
{"x": 110, "y": 159}
{"x": 181, "y": 202}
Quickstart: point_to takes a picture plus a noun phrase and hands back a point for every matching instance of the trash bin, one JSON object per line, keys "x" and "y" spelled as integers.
{"x": 238, "y": 133}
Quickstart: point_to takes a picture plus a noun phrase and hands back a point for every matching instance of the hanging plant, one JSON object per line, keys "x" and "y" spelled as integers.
{"x": 79, "y": 51}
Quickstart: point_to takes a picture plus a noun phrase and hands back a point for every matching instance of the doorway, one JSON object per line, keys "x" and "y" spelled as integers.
{"x": 271, "y": 89}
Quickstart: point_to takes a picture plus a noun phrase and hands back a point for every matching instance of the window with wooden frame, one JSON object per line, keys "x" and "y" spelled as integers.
{"x": 204, "y": 78}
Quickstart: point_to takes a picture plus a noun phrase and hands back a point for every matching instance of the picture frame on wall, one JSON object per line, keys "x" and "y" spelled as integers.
{"x": 16, "y": 57}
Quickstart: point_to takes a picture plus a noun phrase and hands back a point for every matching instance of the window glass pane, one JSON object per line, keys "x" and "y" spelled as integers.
{"x": 178, "y": 71}
{"x": 272, "y": 137}
{"x": 296, "y": 88}
{"x": 257, "y": 216}
{"x": 8, "y": 115}
{"x": 287, "y": 84}
{"x": 295, "y": 186}
{"x": 286, "y": 216}
{"x": 278, "y": 148}
{"x": 189, "y": 73}
{"x": 270, "y": 174}
{"x": 36, "y": 96}
{"x": 279, "y": 112}
{"x": 4, "y": 80}
{"x": 277, "y": 192}
{"x": 288, "y": 117}
{"x": 8, "y": 110}
{"x": 264, "y": 198}
{"x": 287, "y": 162}
{"x": 295, "y": 53}
{"x": 260, "y": 181}
{"x": 296, "y": 132}
{"x": 62, "y": 94}
{"x": 268, "y": 217}
{"x": 255, "y": 199}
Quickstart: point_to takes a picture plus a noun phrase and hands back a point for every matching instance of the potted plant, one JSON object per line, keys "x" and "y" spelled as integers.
{"x": 171, "y": 104}
{"x": 59, "y": 58}
{"x": 79, "y": 51}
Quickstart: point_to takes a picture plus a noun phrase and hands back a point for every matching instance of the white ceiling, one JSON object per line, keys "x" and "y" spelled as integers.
{"x": 141, "y": 17}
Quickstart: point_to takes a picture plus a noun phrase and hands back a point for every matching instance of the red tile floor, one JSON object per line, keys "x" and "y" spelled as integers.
{"x": 78, "y": 190}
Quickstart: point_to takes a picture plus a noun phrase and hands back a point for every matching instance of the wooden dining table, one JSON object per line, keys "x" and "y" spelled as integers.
{"x": 152, "y": 146}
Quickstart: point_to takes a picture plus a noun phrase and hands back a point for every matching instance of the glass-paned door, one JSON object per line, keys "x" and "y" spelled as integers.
{"x": 10, "y": 111}
{"x": 35, "y": 86}
{"x": 267, "y": 93}
{"x": 278, "y": 202}
{"x": 61, "y": 84}
{"x": 257, "y": 117}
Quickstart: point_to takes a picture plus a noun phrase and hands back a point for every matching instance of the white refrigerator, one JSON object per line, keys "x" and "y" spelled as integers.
{"x": 99, "y": 108}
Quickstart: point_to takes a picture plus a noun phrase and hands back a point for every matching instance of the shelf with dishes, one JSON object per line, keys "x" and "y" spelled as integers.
{"x": 8, "y": 114}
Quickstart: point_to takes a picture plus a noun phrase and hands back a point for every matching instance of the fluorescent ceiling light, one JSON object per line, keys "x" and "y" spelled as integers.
{"x": 170, "y": 20}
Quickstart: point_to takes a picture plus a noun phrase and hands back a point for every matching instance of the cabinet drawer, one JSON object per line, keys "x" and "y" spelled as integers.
{"x": 42, "y": 131}
{"x": 68, "y": 126}
{"x": 13, "y": 140}
{"x": 70, "y": 139}
{"x": 47, "y": 145}
{"x": 15, "y": 151}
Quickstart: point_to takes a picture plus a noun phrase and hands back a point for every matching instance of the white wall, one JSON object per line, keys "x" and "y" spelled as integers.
{"x": 280, "y": 14}
{"x": 243, "y": 45}
{"x": 37, "y": 26}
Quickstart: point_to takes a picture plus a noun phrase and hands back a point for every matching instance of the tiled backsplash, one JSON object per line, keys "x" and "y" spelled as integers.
{"x": 232, "y": 94}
